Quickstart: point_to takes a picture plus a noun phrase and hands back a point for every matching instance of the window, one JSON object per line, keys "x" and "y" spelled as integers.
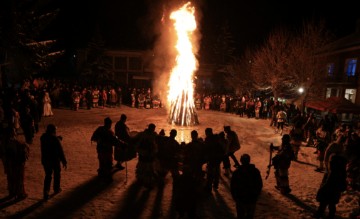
{"x": 350, "y": 94}
{"x": 350, "y": 67}
{"x": 330, "y": 69}
{"x": 135, "y": 63}
{"x": 120, "y": 63}
{"x": 332, "y": 92}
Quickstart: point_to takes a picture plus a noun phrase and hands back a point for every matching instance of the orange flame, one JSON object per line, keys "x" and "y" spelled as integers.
{"x": 181, "y": 87}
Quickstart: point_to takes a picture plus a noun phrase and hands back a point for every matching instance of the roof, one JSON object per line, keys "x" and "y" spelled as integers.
{"x": 348, "y": 43}
{"x": 334, "y": 105}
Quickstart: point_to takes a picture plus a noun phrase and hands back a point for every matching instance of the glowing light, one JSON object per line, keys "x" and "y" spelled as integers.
{"x": 301, "y": 90}
{"x": 181, "y": 87}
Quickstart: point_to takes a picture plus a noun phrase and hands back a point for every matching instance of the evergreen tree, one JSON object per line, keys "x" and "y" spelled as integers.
{"x": 22, "y": 24}
{"x": 97, "y": 66}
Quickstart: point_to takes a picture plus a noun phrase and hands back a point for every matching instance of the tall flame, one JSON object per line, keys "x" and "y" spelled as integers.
{"x": 181, "y": 87}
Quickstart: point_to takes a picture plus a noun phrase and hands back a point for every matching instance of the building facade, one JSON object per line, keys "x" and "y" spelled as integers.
{"x": 343, "y": 67}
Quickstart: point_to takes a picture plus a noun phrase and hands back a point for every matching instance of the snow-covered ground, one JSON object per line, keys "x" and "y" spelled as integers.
{"x": 83, "y": 196}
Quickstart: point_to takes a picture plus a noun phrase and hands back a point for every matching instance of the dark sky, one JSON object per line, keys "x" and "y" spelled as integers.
{"x": 131, "y": 24}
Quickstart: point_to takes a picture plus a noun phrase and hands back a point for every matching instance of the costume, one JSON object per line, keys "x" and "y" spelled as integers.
{"x": 127, "y": 151}
{"x": 282, "y": 161}
{"x": 105, "y": 139}
{"x": 95, "y": 97}
{"x": 147, "y": 151}
{"x": 47, "y": 105}
{"x": 76, "y": 99}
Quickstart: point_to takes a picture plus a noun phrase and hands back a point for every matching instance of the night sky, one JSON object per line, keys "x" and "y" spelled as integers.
{"x": 132, "y": 24}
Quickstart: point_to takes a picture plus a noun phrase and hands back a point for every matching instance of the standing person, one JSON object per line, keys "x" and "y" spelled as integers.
{"x": 147, "y": 150}
{"x": 333, "y": 184}
{"x": 95, "y": 97}
{"x": 194, "y": 156}
{"x": 281, "y": 162}
{"x": 233, "y": 146}
{"x": 105, "y": 139}
{"x": 119, "y": 95}
{"x": 296, "y": 135}
{"x": 27, "y": 125}
{"x": 246, "y": 185}
{"x": 322, "y": 141}
{"x": 34, "y": 111}
{"x": 47, "y": 105}
{"x": 15, "y": 155}
{"x": 122, "y": 131}
{"x": 52, "y": 155}
{"x": 168, "y": 152}
{"x": 215, "y": 154}
{"x": 281, "y": 118}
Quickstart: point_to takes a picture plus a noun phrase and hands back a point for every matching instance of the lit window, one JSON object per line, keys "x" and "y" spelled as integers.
{"x": 350, "y": 67}
{"x": 350, "y": 94}
{"x": 330, "y": 69}
{"x": 332, "y": 92}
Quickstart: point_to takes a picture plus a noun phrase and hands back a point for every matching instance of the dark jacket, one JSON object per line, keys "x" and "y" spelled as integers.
{"x": 105, "y": 139}
{"x": 246, "y": 184}
{"x": 51, "y": 150}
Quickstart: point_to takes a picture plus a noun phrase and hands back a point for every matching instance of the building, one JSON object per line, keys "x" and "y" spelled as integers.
{"x": 343, "y": 67}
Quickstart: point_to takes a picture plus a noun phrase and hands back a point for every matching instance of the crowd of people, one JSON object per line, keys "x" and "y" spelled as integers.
{"x": 337, "y": 146}
{"x": 159, "y": 155}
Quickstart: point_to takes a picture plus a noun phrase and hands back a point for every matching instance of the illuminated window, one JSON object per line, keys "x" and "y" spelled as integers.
{"x": 350, "y": 67}
{"x": 330, "y": 69}
{"x": 350, "y": 94}
{"x": 332, "y": 92}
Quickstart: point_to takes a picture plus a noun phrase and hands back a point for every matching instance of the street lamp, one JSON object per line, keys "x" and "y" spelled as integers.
{"x": 301, "y": 91}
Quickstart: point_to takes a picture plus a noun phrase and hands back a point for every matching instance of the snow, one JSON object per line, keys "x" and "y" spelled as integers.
{"x": 84, "y": 196}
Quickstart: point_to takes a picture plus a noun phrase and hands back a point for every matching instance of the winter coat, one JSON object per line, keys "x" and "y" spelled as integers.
{"x": 51, "y": 150}
{"x": 246, "y": 184}
{"x": 105, "y": 139}
{"x": 233, "y": 141}
{"x": 282, "y": 160}
{"x": 214, "y": 150}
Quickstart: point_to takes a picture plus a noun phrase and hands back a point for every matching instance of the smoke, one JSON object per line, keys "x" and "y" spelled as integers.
{"x": 163, "y": 54}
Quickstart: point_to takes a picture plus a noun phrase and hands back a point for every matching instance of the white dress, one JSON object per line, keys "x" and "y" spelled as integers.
{"x": 47, "y": 106}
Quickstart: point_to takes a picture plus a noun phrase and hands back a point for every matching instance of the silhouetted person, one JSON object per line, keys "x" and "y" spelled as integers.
{"x": 15, "y": 155}
{"x": 215, "y": 154}
{"x": 233, "y": 146}
{"x": 147, "y": 150}
{"x": 105, "y": 139}
{"x": 246, "y": 185}
{"x": 52, "y": 155}
{"x": 282, "y": 161}
{"x": 123, "y": 133}
{"x": 333, "y": 184}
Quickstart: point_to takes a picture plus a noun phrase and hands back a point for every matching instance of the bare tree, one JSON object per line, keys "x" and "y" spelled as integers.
{"x": 270, "y": 67}
{"x": 238, "y": 73}
{"x": 308, "y": 66}
{"x": 289, "y": 61}
{"x": 22, "y": 24}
